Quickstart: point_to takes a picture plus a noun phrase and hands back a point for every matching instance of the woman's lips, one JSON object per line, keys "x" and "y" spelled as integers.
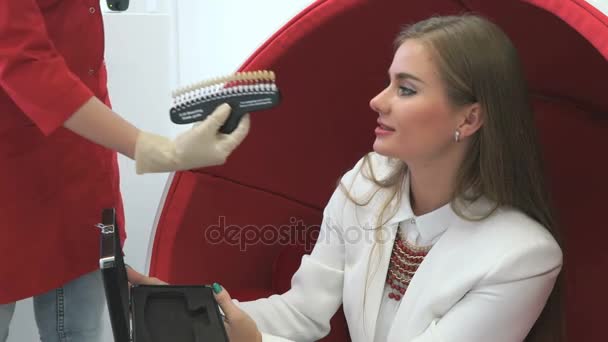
{"x": 383, "y": 129}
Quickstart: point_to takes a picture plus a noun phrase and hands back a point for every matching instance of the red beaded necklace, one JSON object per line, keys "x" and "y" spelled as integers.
{"x": 405, "y": 260}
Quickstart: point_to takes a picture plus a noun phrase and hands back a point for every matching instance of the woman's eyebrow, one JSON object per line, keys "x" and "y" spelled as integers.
{"x": 404, "y": 75}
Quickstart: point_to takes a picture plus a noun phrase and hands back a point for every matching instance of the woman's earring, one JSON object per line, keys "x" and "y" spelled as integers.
{"x": 457, "y": 136}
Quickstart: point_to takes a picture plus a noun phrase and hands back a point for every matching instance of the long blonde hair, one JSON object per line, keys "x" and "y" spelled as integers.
{"x": 478, "y": 63}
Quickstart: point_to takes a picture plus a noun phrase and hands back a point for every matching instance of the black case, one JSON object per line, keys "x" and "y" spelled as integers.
{"x": 154, "y": 313}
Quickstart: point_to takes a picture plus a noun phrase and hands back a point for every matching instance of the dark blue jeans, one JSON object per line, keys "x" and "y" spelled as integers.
{"x": 71, "y": 313}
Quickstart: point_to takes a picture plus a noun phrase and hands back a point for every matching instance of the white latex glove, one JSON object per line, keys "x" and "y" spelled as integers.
{"x": 201, "y": 146}
{"x": 136, "y": 278}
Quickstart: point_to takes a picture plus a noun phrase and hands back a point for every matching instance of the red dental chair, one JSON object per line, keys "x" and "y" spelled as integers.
{"x": 330, "y": 60}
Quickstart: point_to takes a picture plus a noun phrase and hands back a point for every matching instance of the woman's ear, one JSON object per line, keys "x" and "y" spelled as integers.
{"x": 472, "y": 120}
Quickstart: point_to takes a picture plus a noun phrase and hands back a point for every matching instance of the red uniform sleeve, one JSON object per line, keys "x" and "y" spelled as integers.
{"x": 32, "y": 72}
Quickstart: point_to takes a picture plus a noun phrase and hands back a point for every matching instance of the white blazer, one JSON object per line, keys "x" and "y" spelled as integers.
{"x": 482, "y": 281}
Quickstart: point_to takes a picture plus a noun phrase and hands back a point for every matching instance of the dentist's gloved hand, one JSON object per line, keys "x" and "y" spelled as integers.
{"x": 201, "y": 146}
{"x": 136, "y": 278}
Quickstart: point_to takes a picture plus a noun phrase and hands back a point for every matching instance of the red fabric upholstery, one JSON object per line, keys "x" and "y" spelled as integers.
{"x": 575, "y": 144}
{"x": 246, "y": 224}
{"x": 250, "y": 294}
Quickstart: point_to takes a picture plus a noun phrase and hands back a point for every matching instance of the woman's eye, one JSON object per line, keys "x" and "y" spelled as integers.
{"x": 405, "y": 91}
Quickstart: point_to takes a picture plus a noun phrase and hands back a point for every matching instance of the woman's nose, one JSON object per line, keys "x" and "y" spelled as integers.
{"x": 376, "y": 103}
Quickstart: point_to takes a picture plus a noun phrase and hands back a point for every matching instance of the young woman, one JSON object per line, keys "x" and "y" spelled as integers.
{"x": 444, "y": 233}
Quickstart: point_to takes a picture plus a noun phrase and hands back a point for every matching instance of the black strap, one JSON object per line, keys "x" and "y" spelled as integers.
{"x": 114, "y": 276}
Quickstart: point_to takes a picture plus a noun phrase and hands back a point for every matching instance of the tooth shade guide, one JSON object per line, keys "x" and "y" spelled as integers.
{"x": 247, "y": 77}
{"x": 245, "y": 92}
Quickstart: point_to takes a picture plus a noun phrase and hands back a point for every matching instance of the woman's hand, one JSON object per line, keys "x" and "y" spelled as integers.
{"x": 239, "y": 326}
{"x": 136, "y": 278}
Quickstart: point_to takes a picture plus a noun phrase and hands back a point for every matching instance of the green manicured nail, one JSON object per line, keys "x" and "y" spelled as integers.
{"x": 217, "y": 288}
